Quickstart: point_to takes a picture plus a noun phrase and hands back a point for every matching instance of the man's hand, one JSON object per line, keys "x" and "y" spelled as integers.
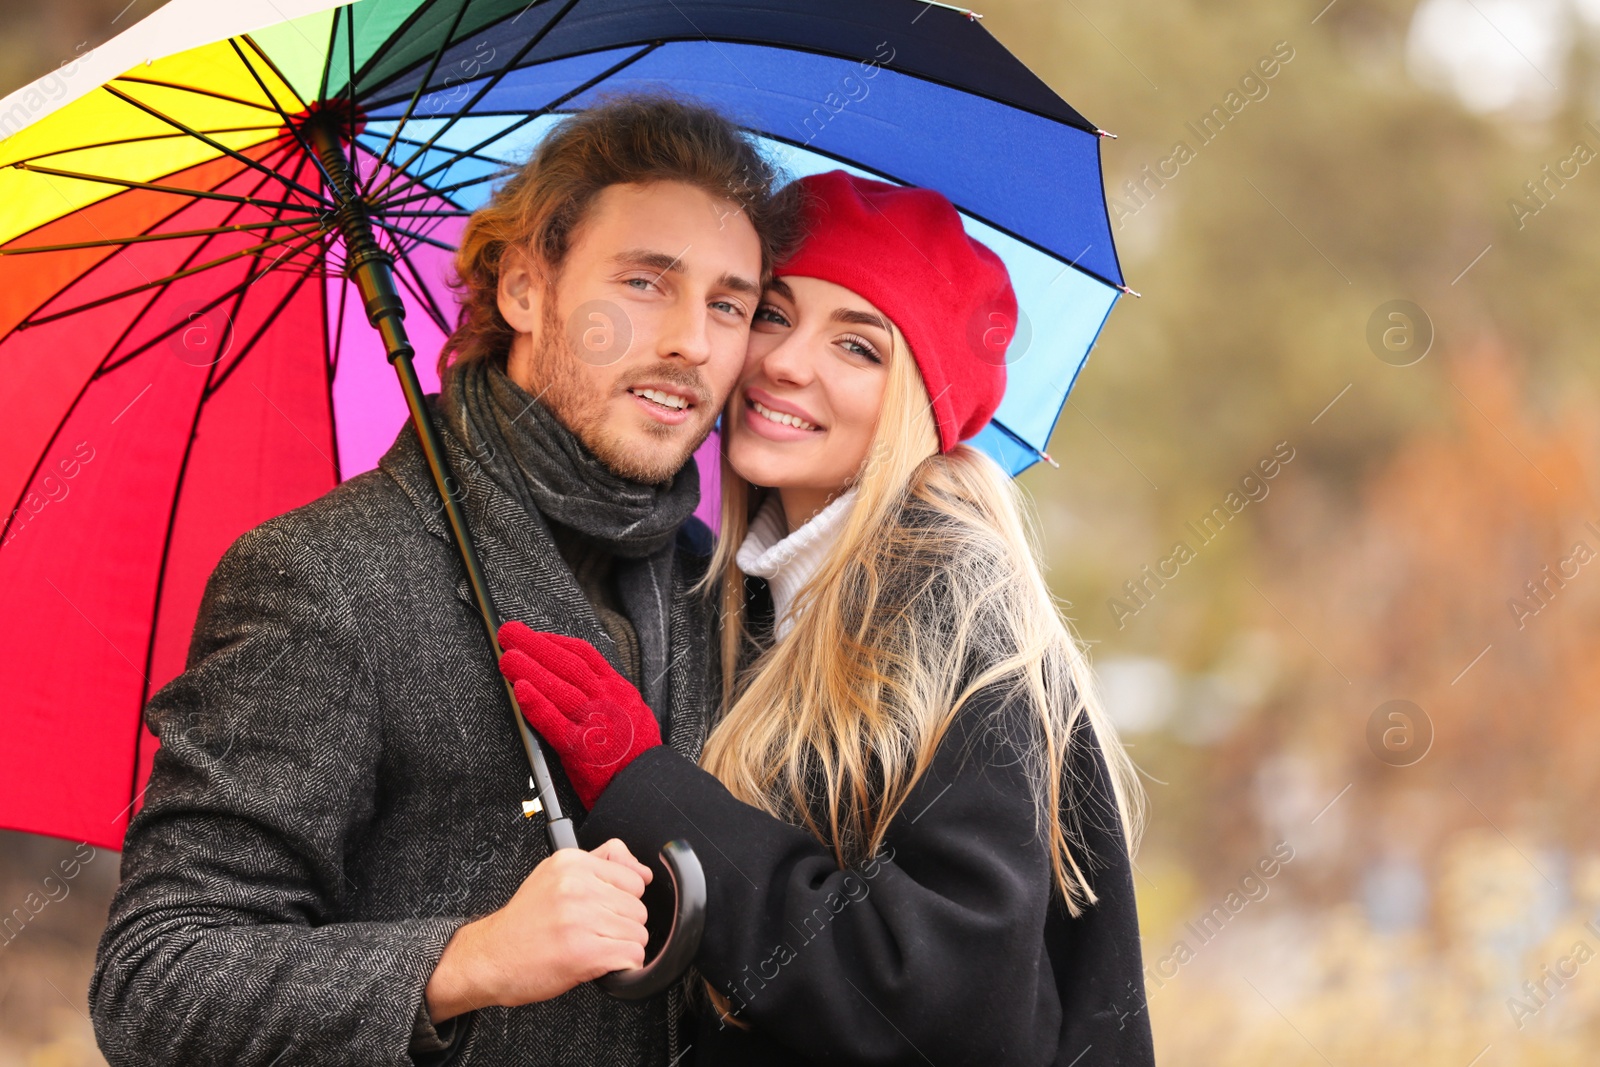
{"x": 576, "y": 917}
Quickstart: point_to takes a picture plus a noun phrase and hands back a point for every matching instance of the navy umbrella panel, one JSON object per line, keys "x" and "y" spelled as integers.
{"x": 898, "y": 90}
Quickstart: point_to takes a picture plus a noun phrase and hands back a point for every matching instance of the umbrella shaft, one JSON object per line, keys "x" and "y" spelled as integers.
{"x": 370, "y": 267}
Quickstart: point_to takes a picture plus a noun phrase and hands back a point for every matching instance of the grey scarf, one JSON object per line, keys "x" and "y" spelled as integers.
{"x": 555, "y": 477}
{"x": 545, "y": 467}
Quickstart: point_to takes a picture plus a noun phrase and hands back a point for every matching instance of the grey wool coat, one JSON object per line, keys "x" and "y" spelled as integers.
{"x": 339, "y": 788}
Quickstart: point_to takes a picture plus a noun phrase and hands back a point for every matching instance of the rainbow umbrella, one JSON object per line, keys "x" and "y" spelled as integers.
{"x": 195, "y": 217}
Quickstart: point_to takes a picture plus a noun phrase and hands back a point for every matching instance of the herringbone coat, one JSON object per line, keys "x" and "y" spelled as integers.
{"x": 339, "y": 787}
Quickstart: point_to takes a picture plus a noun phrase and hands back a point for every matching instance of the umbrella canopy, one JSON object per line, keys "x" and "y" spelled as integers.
{"x": 183, "y": 358}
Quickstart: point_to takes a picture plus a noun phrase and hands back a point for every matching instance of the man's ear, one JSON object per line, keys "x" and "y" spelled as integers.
{"x": 521, "y": 291}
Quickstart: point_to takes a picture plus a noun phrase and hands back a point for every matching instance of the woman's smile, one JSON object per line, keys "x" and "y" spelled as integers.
{"x": 778, "y": 420}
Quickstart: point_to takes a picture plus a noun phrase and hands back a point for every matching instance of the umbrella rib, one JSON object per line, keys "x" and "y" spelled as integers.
{"x": 697, "y": 37}
{"x": 134, "y": 140}
{"x": 143, "y": 237}
{"x": 204, "y": 194}
{"x": 287, "y": 123}
{"x": 236, "y": 311}
{"x": 350, "y": 52}
{"x": 276, "y": 73}
{"x": 196, "y": 90}
{"x": 161, "y": 577}
{"x": 458, "y": 156}
{"x": 419, "y": 179}
{"x": 426, "y": 192}
{"x": 493, "y": 80}
{"x": 393, "y": 229}
{"x": 430, "y": 225}
{"x": 405, "y": 24}
{"x": 327, "y": 65}
{"x": 433, "y": 65}
{"x": 421, "y": 298}
{"x": 509, "y": 14}
{"x": 169, "y": 279}
{"x": 338, "y": 336}
{"x": 238, "y": 303}
{"x": 294, "y": 186}
{"x": 177, "y": 497}
{"x": 528, "y": 117}
{"x": 420, "y": 290}
{"x": 1015, "y": 436}
{"x": 327, "y": 387}
{"x": 456, "y": 214}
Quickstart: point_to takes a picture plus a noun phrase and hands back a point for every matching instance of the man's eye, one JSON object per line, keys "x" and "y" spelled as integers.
{"x": 728, "y": 306}
{"x": 640, "y": 283}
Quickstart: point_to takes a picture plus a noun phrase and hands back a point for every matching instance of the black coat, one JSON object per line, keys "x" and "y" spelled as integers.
{"x": 338, "y": 789}
{"x": 950, "y": 948}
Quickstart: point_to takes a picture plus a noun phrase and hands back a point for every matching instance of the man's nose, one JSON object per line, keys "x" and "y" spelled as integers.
{"x": 685, "y": 334}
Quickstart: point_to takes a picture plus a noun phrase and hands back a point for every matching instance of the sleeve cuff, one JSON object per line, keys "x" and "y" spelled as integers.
{"x": 430, "y": 1043}
{"x": 630, "y": 808}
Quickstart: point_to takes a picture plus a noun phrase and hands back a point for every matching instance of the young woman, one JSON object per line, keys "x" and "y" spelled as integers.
{"x": 915, "y": 819}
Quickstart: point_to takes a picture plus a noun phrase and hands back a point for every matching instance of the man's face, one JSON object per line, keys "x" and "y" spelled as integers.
{"x": 638, "y": 343}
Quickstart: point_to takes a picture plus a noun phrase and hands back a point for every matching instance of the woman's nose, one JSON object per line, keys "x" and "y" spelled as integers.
{"x": 790, "y": 361}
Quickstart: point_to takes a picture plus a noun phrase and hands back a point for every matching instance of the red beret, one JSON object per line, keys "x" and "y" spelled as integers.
{"x": 904, "y": 250}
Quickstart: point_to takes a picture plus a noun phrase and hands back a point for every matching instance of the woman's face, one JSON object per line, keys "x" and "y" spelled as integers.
{"x": 806, "y": 405}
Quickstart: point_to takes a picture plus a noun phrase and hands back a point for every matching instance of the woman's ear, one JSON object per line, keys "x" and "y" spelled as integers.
{"x": 521, "y": 291}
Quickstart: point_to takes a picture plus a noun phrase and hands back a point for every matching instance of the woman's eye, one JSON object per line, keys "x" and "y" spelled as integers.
{"x": 861, "y": 348}
{"x": 768, "y": 313}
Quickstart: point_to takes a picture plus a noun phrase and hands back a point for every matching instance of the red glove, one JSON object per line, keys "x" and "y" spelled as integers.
{"x": 592, "y": 716}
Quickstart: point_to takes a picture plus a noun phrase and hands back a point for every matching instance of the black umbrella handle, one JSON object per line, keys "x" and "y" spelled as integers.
{"x": 683, "y": 938}
{"x": 371, "y": 268}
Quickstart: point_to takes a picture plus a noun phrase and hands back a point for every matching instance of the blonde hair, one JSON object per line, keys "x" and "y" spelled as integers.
{"x": 932, "y": 592}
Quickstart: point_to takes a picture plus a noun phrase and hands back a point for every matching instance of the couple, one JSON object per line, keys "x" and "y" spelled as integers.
{"x": 859, "y": 704}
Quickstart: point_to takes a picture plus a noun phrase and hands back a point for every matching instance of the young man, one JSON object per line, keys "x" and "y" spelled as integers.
{"x": 336, "y": 868}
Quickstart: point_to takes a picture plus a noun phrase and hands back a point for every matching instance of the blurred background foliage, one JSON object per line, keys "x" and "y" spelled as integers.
{"x": 1434, "y": 537}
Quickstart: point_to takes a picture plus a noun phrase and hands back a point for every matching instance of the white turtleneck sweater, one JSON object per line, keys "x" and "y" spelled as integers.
{"x": 788, "y": 562}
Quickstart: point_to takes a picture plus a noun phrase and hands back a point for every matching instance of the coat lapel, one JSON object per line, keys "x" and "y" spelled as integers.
{"x": 689, "y": 659}
{"x": 528, "y": 580}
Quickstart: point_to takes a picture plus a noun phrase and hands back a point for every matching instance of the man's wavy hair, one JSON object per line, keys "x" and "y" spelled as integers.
{"x": 630, "y": 138}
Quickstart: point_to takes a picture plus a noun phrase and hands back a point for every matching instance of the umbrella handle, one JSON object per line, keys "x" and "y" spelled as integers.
{"x": 683, "y": 939}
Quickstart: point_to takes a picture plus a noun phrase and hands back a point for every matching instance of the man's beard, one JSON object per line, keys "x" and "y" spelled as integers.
{"x": 560, "y": 386}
